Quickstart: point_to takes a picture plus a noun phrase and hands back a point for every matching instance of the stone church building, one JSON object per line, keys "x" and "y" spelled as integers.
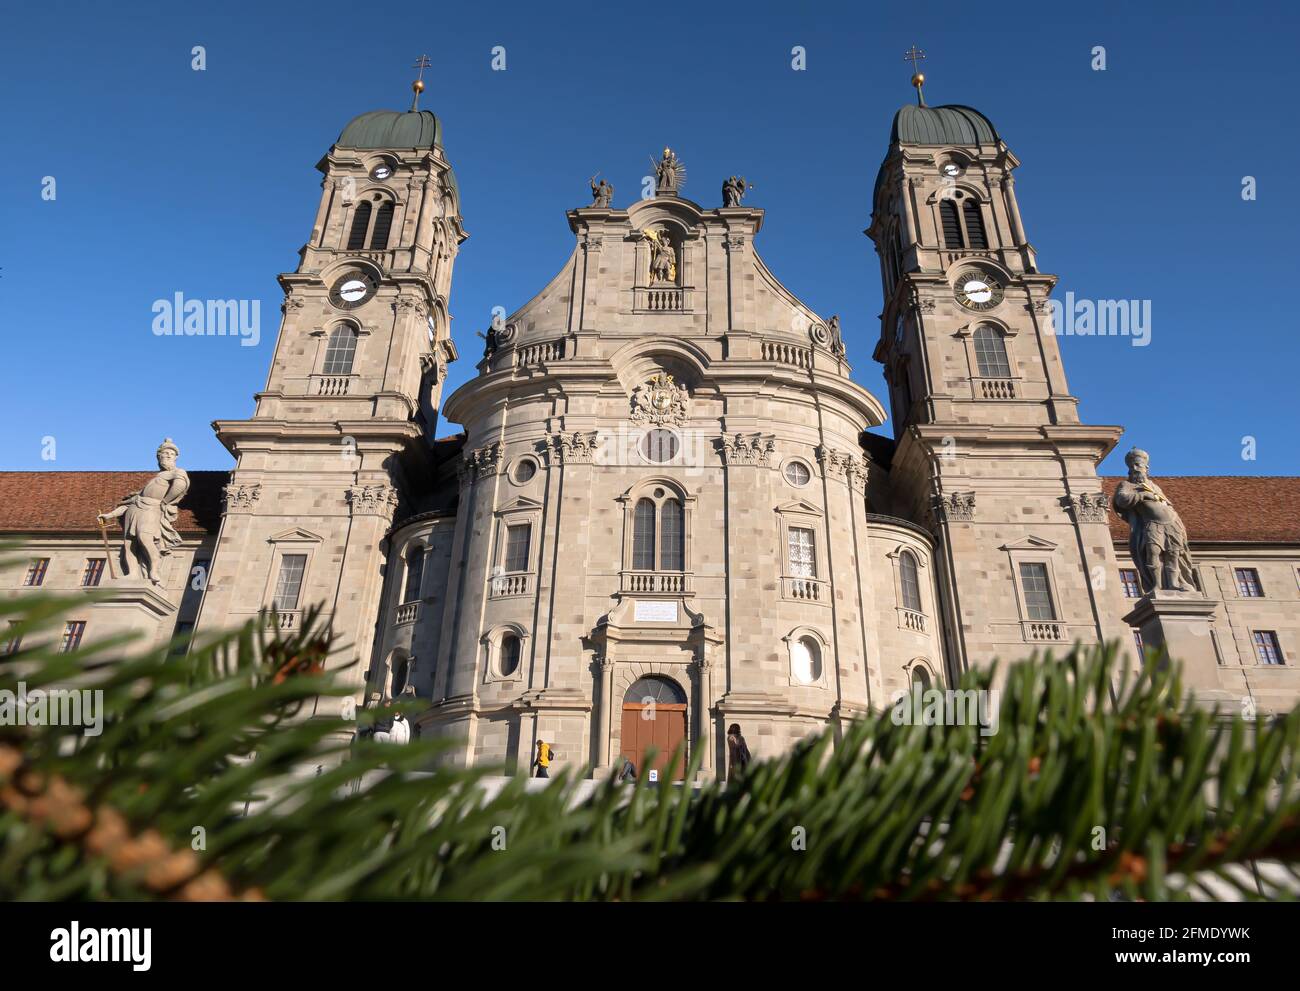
{"x": 664, "y": 493}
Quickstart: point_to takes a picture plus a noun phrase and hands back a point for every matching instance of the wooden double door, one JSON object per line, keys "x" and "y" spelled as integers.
{"x": 659, "y": 726}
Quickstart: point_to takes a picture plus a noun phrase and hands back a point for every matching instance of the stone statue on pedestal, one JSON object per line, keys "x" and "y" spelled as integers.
{"x": 149, "y": 518}
{"x": 601, "y": 195}
{"x": 1157, "y": 537}
{"x": 669, "y": 174}
{"x": 733, "y": 191}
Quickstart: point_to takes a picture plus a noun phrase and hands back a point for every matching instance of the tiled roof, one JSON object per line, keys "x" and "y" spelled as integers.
{"x": 67, "y": 501}
{"x": 1233, "y": 508}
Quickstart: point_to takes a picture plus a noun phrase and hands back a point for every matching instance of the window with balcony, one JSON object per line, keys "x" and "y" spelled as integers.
{"x": 909, "y": 581}
{"x": 519, "y": 537}
{"x": 803, "y": 552}
{"x": 288, "y": 585}
{"x": 414, "y": 574}
{"x": 1037, "y": 591}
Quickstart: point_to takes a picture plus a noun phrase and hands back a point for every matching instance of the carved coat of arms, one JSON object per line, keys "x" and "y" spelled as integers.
{"x": 660, "y": 401}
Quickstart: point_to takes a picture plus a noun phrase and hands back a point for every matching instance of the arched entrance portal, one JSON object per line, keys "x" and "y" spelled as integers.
{"x": 654, "y": 716}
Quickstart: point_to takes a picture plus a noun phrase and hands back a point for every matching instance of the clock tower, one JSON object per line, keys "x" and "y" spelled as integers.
{"x": 990, "y": 452}
{"x": 342, "y": 433}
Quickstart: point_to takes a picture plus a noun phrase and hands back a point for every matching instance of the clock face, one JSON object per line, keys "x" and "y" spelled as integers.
{"x": 977, "y": 290}
{"x": 952, "y": 170}
{"x": 380, "y": 172}
{"x": 351, "y": 290}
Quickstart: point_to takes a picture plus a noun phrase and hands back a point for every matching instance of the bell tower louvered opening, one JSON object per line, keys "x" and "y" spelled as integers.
{"x": 360, "y": 224}
{"x": 974, "y": 225}
{"x": 951, "y": 225}
{"x": 383, "y": 225}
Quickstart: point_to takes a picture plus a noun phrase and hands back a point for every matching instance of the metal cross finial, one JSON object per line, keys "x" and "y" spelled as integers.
{"x": 915, "y": 56}
{"x": 417, "y": 87}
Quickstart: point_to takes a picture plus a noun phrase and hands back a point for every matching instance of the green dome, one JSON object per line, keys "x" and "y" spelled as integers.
{"x": 950, "y": 125}
{"x": 392, "y": 129}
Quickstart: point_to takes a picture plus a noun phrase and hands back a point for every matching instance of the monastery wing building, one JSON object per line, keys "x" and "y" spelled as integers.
{"x": 665, "y": 496}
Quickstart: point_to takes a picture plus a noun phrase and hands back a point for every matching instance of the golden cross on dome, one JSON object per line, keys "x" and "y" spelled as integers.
{"x": 417, "y": 87}
{"x": 915, "y": 56}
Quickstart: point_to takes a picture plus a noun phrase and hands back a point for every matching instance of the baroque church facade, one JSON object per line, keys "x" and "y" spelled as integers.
{"x": 665, "y": 494}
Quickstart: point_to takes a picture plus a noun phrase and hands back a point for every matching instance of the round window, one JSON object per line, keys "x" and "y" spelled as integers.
{"x": 659, "y": 446}
{"x": 798, "y": 474}
{"x": 525, "y": 470}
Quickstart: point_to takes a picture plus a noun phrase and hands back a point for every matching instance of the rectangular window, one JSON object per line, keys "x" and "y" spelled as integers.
{"x": 93, "y": 573}
{"x": 1137, "y": 639}
{"x": 36, "y": 573}
{"x": 803, "y": 553}
{"x": 13, "y": 642}
{"x": 1129, "y": 579}
{"x": 288, "y": 587}
{"x": 1248, "y": 586}
{"x": 1038, "y": 594}
{"x": 1267, "y": 649}
{"x": 518, "y": 538}
{"x": 72, "y": 633}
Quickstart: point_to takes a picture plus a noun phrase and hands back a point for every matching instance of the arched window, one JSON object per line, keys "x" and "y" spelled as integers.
{"x": 991, "y": 353}
{"x": 672, "y": 536}
{"x": 911, "y": 585}
{"x": 806, "y": 660}
{"x": 643, "y": 536}
{"x": 508, "y": 655}
{"x": 414, "y": 573}
{"x": 401, "y": 669}
{"x": 974, "y": 224}
{"x": 383, "y": 224}
{"x": 655, "y": 538}
{"x": 951, "y": 224}
{"x": 360, "y": 224}
{"x": 920, "y": 678}
{"x": 340, "y": 350}
{"x": 652, "y": 689}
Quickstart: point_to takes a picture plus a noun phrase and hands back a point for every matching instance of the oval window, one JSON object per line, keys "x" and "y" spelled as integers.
{"x": 659, "y": 446}
{"x": 798, "y": 474}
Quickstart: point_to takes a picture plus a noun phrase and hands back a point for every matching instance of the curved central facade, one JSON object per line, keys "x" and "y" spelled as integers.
{"x": 662, "y": 477}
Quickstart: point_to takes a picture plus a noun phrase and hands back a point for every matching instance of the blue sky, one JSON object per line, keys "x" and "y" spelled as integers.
{"x": 171, "y": 180}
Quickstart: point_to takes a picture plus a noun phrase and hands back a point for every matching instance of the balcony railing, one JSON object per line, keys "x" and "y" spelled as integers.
{"x": 331, "y": 385}
{"x": 286, "y": 621}
{"x": 408, "y": 612}
{"x": 1043, "y": 631}
{"x": 500, "y": 586}
{"x": 656, "y": 582}
{"x": 786, "y": 354}
{"x": 666, "y": 299}
{"x": 910, "y": 619}
{"x": 806, "y": 589}
{"x": 997, "y": 388}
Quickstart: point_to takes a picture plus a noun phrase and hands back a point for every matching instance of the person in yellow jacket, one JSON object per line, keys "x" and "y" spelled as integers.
{"x": 545, "y": 754}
